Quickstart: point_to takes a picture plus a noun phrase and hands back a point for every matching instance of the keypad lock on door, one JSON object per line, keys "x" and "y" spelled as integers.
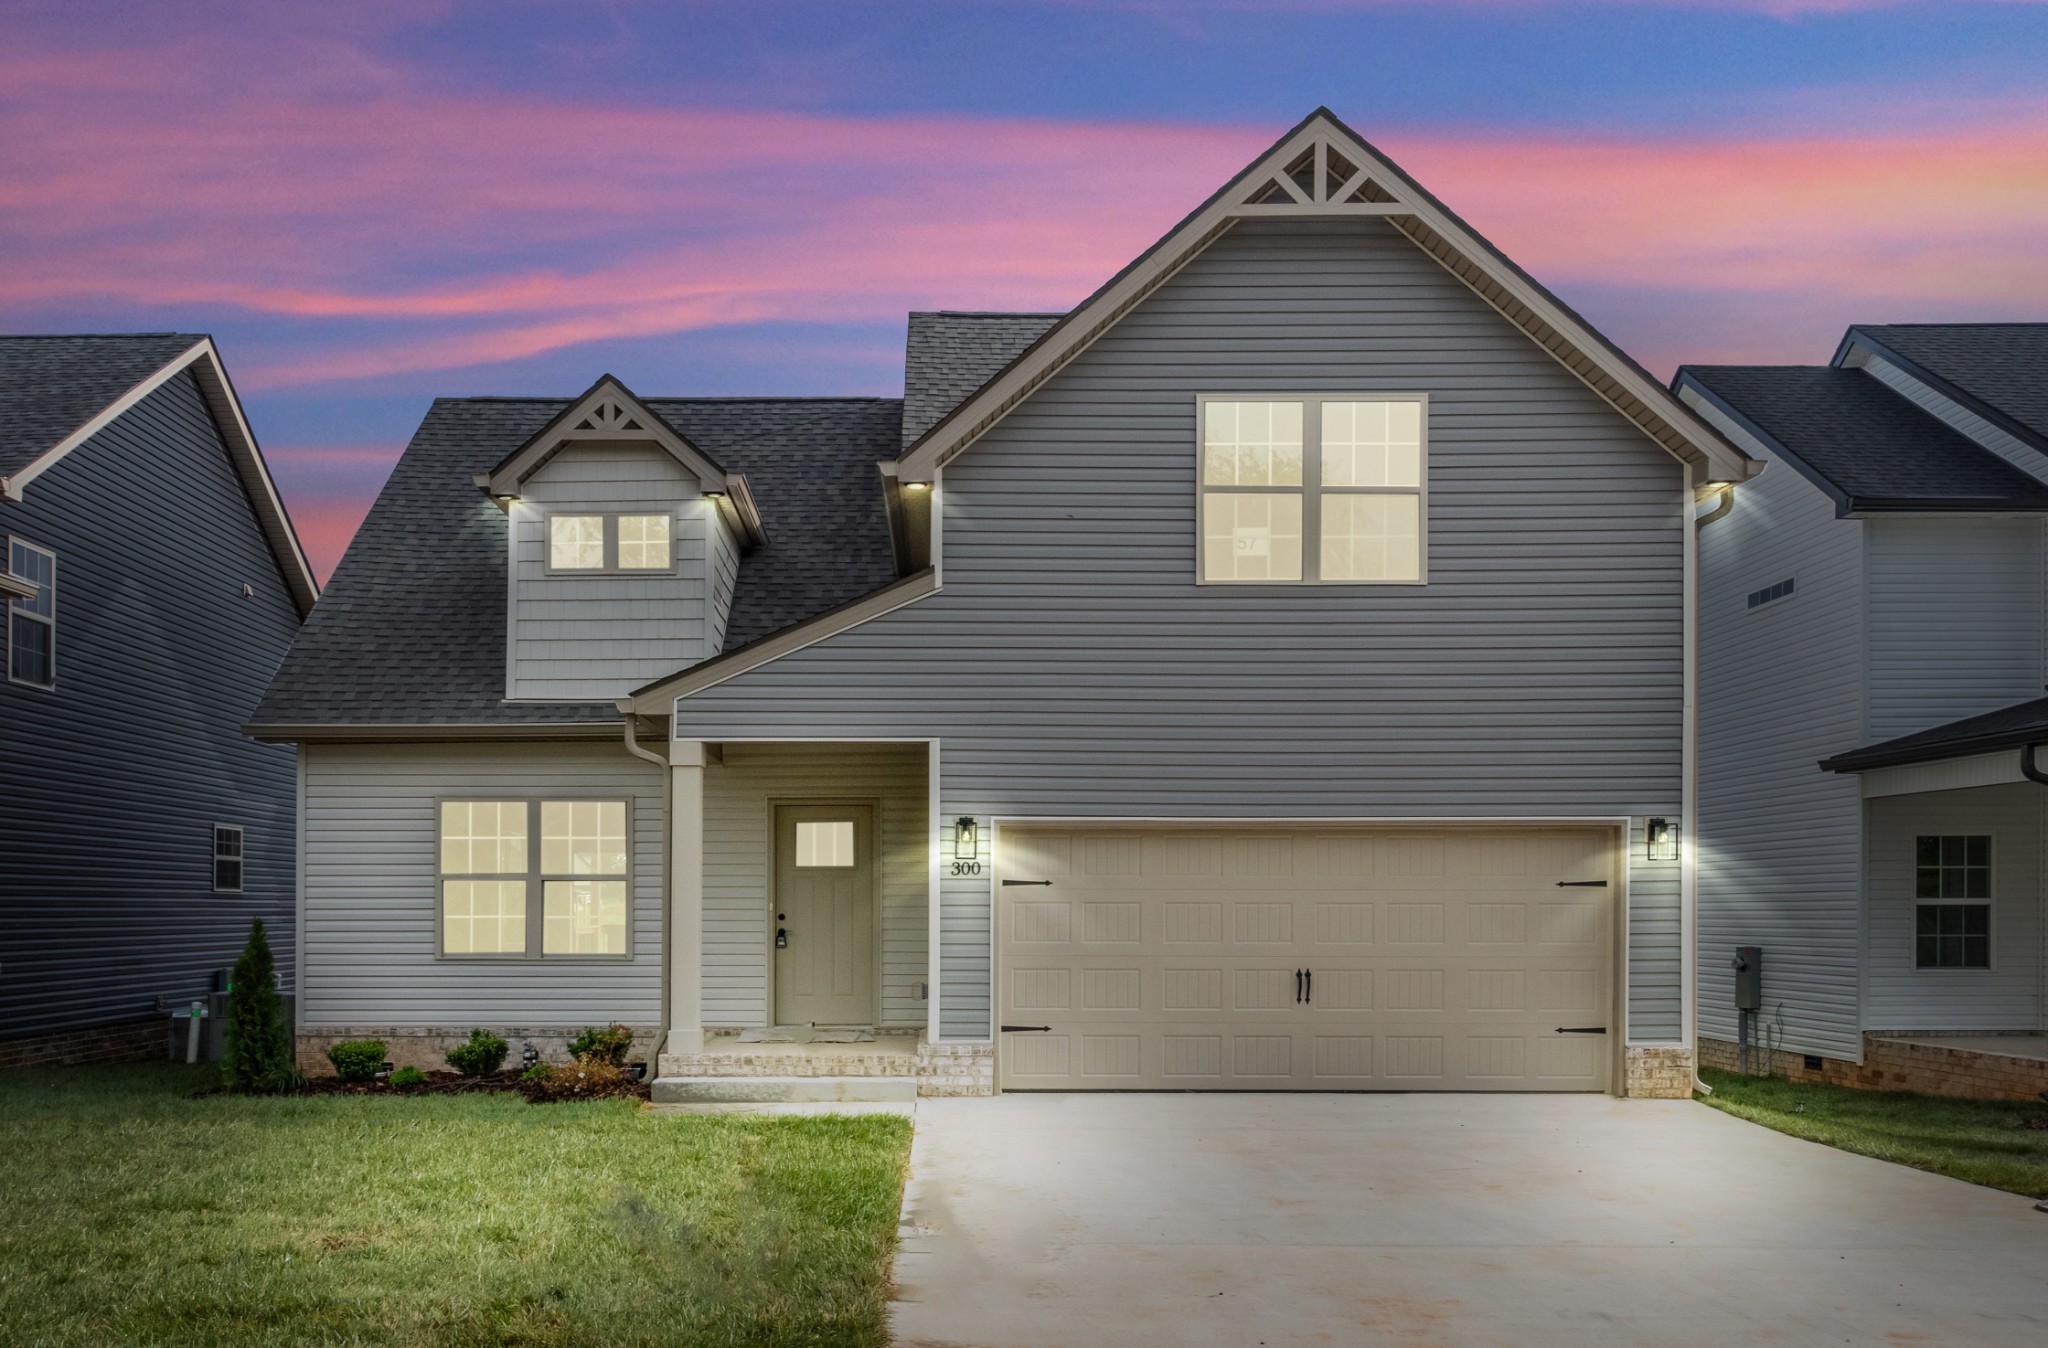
{"x": 781, "y": 933}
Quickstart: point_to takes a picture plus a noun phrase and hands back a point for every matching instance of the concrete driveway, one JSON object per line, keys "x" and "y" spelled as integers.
{"x": 1243, "y": 1220}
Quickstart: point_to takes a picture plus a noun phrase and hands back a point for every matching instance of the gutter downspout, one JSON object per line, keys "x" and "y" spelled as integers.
{"x": 667, "y": 866}
{"x": 1688, "y": 880}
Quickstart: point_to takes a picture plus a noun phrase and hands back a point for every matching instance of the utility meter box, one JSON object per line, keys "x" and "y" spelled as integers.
{"x": 1749, "y": 978}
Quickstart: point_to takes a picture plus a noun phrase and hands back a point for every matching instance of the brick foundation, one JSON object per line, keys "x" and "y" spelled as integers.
{"x": 1657, "y": 1072}
{"x": 427, "y": 1048}
{"x": 144, "y": 1040}
{"x": 1898, "y": 1063}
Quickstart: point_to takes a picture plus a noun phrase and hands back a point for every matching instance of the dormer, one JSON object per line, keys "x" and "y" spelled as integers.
{"x": 624, "y": 540}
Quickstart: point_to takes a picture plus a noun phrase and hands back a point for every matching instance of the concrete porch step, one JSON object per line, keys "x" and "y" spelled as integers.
{"x": 681, "y": 1090}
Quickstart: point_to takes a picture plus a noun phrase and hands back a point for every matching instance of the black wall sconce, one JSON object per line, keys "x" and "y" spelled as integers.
{"x": 1661, "y": 838}
{"x": 966, "y": 838}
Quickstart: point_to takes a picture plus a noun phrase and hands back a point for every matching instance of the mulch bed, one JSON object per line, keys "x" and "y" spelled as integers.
{"x": 454, "y": 1083}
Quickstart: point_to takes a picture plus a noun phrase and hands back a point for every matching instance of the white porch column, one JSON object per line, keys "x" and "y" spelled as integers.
{"x": 686, "y": 897}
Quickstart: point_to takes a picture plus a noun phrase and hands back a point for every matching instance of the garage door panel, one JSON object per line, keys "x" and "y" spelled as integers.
{"x": 1436, "y": 960}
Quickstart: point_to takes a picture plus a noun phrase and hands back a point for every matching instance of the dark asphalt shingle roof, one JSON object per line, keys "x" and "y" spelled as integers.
{"x": 1871, "y": 445}
{"x": 2003, "y": 366}
{"x": 2006, "y": 728}
{"x": 411, "y": 629}
{"x": 950, "y": 354}
{"x": 50, "y": 386}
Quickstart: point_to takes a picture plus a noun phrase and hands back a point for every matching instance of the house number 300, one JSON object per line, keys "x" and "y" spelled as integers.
{"x": 967, "y": 868}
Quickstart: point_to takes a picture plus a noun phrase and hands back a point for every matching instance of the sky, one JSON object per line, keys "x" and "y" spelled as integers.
{"x": 373, "y": 204}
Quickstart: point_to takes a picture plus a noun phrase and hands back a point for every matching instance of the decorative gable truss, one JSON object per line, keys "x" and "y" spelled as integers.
{"x": 1323, "y": 168}
{"x": 609, "y": 412}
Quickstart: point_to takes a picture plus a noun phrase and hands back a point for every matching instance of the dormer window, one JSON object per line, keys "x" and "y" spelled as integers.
{"x": 598, "y": 543}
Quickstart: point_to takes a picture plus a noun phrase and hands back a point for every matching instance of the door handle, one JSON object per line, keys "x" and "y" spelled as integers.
{"x": 782, "y": 938}
{"x": 1582, "y": 1029}
{"x": 1297, "y": 987}
{"x": 1309, "y": 988}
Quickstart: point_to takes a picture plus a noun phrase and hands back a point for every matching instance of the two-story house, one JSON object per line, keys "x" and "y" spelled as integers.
{"x": 150, "y": 586}
{"x": 1872, "y": 630}
{"x": 1274, "y": 673}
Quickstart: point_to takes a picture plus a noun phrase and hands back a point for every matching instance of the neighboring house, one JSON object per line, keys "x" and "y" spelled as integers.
{"x": 1272, "y": 674}
{"x": 1872, "y": 673}
{"x": 152, "y": 583}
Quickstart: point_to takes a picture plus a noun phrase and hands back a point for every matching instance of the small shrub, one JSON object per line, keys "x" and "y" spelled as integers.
{"x": 357, "y": 1059}
{"x": 609, "y": 1043}
{"x": 480, "y": 1055}
{"x": 408, "y": 1076}
{"x": 588, "y": 1078}
{"x": 258, "y": 1055}
{"x": 540, "y": 1071}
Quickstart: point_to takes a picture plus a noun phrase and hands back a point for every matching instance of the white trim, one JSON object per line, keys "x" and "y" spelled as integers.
{"x": 204, "y": 361}
{"x": 8, "y": 610}
{"x": 10, "y": 588}
{"x": 1463, "y": 253}
{"x": 503, "y": 482}
{"x": 1689, "y": 784}
{"x": 935, "y": 905}
{"x": 1999, "y": 768}
{"x": 662, "y": 699}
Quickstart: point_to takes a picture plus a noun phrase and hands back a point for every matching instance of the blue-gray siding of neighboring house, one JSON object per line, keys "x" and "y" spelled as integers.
{"x": 1071, "y": 665}
{"x": 116, "y": 777}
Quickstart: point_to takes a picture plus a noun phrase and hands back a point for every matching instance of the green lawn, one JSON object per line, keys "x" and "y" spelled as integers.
{"x": 131, "y": 1213}
{"x": 1975, "y": 1140}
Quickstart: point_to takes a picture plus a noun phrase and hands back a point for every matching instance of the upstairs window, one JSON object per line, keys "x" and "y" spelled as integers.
{"x": 32, "y": 620}
{"x": 610, "y": 543}
{"x": 227, "y": 859}
{"x": 1313, "y": 490}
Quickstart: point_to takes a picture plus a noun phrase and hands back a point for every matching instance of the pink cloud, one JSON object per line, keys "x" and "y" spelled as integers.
{"x": 410, "y": 229}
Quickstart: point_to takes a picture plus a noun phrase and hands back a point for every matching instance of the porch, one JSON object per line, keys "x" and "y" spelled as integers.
{"x": 814, "y": 897}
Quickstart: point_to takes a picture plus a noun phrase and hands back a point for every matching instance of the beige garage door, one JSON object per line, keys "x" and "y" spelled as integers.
{"x": 1305, "y": 959}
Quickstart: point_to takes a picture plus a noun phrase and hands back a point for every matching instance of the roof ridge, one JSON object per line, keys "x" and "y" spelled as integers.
{"x": 1985, "y": 323}
{"x": 993, "y": 313}
{"x": 677, "y": 398}
{"x": 96, "y": 336}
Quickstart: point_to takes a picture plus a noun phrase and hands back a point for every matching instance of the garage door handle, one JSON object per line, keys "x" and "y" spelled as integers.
{"x": 1582, "y": 884}
{"x": 1027, "y": 882}
{"x": 1582, "y": 1029}
{"x": 1297, "y": 987}
{"x": 1308, "y": 991}
{"x": 1027, "y": 1029}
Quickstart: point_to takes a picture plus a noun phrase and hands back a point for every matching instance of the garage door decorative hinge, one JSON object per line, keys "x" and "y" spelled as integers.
{"x": 1582, "y": 1029}
{"x": 1582, "y": 884}
{"x": 1027, "y": 882}
{"x": 1027, "y": 1029}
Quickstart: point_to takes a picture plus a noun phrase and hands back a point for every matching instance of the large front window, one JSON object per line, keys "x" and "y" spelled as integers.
{"x": 1316, "y": 489}
{"x": 534, "y": 878}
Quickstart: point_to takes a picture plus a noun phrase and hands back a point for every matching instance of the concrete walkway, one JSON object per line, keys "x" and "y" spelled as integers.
{"x": 1460, "y": 1221}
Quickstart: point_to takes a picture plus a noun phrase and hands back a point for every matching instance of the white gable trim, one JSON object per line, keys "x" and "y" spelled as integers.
{"x": 609, "y": 413}
{"x": 1345, "y": 177}
{"x": 204, "y": 361}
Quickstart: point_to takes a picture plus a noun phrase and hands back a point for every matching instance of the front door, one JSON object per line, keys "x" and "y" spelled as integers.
{"x": 824, "y": 915}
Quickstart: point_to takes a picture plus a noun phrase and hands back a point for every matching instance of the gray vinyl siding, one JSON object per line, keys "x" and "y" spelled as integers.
{"x": 1073, "y": 667}
{"x": 587, "y": 637}
{"x": 1999, "y": 442}
{"x": 115, "y": 778}
{"x": 371, "y": 886}
{"x": 1955, "y": 612}
{"x": 740, "y": 796}
{"x": 724, "y": 571}
{"x": 1781, "y": 687}
{"x": 2006, "y": 996}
